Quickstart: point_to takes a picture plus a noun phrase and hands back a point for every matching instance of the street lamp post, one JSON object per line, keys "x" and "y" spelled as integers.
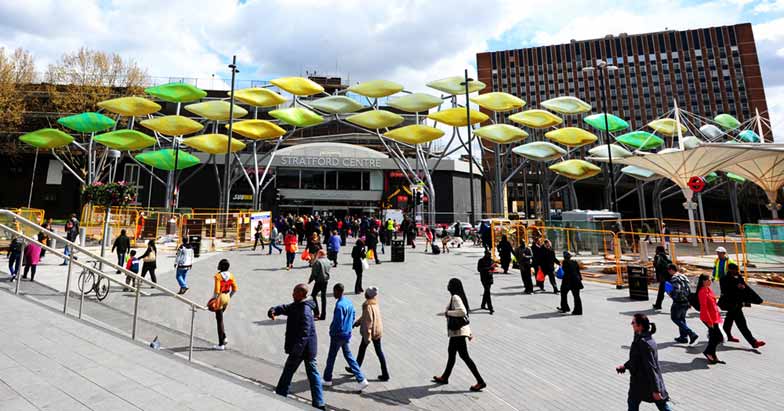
{"x": 470, "y": 150}
{"x": 227, "y": 162}
{"x": 603, "y": 67}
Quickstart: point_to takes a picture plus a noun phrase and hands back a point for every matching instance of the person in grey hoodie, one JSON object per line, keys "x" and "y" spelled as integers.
{"x": 319, "y": 272}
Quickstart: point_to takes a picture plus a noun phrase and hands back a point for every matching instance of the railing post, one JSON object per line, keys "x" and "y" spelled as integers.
{"x": 81, "y": 297}
{"x": 138, "y": 286}
{"x": 190, "y": 345}
{"x": 618, "y": 273}
{"x": 68, "y": 284}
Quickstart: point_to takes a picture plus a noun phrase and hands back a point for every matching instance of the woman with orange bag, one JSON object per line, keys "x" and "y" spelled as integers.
{"x": 290, "y": 243}
{"x": 225, "y": 287}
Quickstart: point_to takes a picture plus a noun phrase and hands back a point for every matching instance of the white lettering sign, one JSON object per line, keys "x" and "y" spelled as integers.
{"x": 329, "y": 162}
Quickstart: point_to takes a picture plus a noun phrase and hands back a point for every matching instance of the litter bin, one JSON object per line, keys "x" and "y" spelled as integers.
{"x": 195, "y": 241}
{"x": 638, "y": 282}
{"x": 398, "y": 251}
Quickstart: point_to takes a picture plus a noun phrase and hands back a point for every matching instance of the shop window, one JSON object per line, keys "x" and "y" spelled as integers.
{"x": 313, "y": 179}
{"x": 331, "y": 180}
{"x": 349, "y": 180}
{"x": 365, "y": 180}
{"x": 287, "y": 178}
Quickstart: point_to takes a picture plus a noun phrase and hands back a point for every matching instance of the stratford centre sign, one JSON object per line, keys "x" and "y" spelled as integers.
{"x": 328, "y": 162}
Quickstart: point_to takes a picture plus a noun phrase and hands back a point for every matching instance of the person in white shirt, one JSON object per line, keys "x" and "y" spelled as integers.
{"x": 183, "y": 263}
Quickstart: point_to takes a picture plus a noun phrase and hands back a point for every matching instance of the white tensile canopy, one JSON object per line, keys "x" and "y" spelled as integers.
{"x": 766, "y": 172}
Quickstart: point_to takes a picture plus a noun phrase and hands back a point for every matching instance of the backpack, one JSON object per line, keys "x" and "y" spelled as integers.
{"x": 436, "y": 249}
{"x": 694, "y": 301}
{"x": 680, "y": 291}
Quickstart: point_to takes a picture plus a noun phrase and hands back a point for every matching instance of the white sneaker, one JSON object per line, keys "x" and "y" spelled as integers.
{"x": 326, "y": 383}
{"x": 219, "y": 347}
{"x": 362, "y": 385}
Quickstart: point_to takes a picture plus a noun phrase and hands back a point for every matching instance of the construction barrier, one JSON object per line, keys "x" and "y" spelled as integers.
{"x": 34, "y": 214}
{"x": 763, "y": 243}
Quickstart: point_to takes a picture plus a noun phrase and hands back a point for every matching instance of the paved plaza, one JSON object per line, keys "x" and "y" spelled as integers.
{"x": 531, "y": 357}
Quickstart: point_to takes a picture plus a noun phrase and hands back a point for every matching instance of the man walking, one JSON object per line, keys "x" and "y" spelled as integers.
{"x": 301, "y": 344}
{"x": 340, "y": 336}
{"x": 681, "y": 288}
{"x": 485, "y": 266}
{"x": 371, "y": 241}
{"x": 572, "y": 282}
{"x": 183, "y": 263}
{"x": 319, "y": 272}
{"x": 122, "y": 244}
{"x": 333, "y": 248}
{"x": 721, "y": 266}
{"x": 524, "y": 256}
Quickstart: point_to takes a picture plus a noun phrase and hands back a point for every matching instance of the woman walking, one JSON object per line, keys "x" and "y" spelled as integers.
{"x": 734, "y": 296}
{"x": 290, "y": 243}
{"x": 660, "y": 264}
{"x": 358, "y": 256}
{"x": 371, "y": 328}
{"x": 710, "y": 315}
{"x": 14, "y": 257}
{"x": 313, "y": 247}
{"x": 459, "y": 334}
{"x": 428, "y": 238}
{"x": 646, "y": 383}
{"x": 149, "y": 259}
{"x": 32, "y": 255}
{"x": 183, "y": 263}
{"x": 546, "y": 263}
{"x": 225, "y": 288}
{"x": 572, "y": 282}
{"x": 505, "y": 249}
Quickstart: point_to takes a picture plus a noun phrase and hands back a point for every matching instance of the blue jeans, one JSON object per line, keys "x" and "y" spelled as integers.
{"x": 14, "y": 261}
{"x": 314, "y": 379}
{"x": 181, "y": 274}
{"x": 336, "y": 344}
{"x": 634, "y": 405}
{"x": 273, "y": 244}
{"x": 678, "y": 316}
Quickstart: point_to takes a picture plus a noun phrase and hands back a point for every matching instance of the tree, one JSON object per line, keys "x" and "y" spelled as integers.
{"x": 17, "y": 71}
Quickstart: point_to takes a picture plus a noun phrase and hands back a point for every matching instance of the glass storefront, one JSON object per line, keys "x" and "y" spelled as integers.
{"x": 314, "y": 179}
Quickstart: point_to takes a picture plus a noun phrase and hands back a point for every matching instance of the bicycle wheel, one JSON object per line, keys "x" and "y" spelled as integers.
{"x": 102, "y": 288}
{"x": 86, "y": 281}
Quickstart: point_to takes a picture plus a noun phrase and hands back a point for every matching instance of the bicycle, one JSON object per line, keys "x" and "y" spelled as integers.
{"x": 89, "y": 281}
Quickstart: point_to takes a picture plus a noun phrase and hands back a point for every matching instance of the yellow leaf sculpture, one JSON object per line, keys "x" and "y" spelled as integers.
{"x": 571, "y": 136}
{"x": 376, "y": 88}
{"x": 501, "y": 133}
{"x": 297, "y": 116}
{"x": 376, "y": 119}
{"x": 130, "y": 106}
{"x": 258, "y": 97}
{"x": 217, "y": 110}
{"x": 566, "y": 105}
{"x": 575, "y": 169}
{"x": 498, "y": 101}
{"x": 213, "y": 143}
{"x": 536, "y": 118}
{"x": 456, "y": 117}
{"x": 415, "y": 102}
{"x": 257, "y": 129}
{"x": 415, "y": 134}
{"x": 453, "y": 85}
{"x": 337, "y": 105}
{"x": 172, "y": 125}
{"x": 299, "y": 86}
{"x": 666, "y": 127}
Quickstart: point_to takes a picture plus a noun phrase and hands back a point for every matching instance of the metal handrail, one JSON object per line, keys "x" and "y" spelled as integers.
{"x": 71, "y": 261}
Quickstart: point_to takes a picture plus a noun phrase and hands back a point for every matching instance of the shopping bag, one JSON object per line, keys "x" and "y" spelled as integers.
{"x": 559, "y": 273}
{"x": 305, "y": 255}
{"x": 365, "y": 264}
{"x": 370, "y": 255}
{"x": 539, "y": 275}
{"x": 214, "y": 304}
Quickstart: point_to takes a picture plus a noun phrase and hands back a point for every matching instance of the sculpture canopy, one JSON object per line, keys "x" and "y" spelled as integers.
{"x": 766, "y": 172}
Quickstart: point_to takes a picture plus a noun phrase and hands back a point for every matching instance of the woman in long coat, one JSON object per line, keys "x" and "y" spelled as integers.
{"x": 646, "y": 382}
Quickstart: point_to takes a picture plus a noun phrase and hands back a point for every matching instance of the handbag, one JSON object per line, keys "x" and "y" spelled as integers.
{"x": 752, "y": 297}
{"x": 305, "y": 255}
{"x": 456, "y": 323}
{"x": 539, "y": 275}
{"x": 365, "y": 264}
{"x": 694, "y": 301}
{"x": 214, "y": 304}
{"x": 370, "y": 255}
{"x": 558, "y": 273}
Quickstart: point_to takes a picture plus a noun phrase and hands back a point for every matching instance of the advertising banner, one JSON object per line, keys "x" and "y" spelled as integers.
{"x": 265, "y": 217}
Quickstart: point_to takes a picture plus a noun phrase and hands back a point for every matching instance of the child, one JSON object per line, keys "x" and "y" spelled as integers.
{"x": 133, "y": 266}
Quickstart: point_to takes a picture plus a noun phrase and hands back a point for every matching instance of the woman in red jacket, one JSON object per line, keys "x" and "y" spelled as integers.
{"x": 710, "y": 315}
{"x": 290, "y": 244}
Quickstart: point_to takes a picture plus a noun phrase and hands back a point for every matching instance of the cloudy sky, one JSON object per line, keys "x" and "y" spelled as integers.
{"x": 411, "y": 42}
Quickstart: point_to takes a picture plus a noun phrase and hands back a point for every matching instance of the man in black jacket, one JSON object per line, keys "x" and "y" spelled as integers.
{"x": 524, "y": 257}
{"x": 572, "y": 281}
{"x": 485, "y": 266}
{"x": 734, "y": 296}
{"x": 371, "y": 241}
{"x": 122, "y": 244}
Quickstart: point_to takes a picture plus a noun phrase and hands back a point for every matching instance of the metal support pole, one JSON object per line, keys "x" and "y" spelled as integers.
{"x": 138, "y": 286}
{"x": 81, "y": 297}
{"x": 702, "y": 222}
{"x": 227, "y": 164}
{"x": 470, "y": 150}
{"x": 190, "y": 344}
{"x": 614, "y": 195}
{"x": 32, "y": 180}
{"x": 733, "y": 195}
{"x": 498, "y": 192}
{"x": 68, "y": 284}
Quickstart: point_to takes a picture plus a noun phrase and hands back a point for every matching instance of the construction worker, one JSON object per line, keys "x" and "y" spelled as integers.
{"x": 720, "y": 265}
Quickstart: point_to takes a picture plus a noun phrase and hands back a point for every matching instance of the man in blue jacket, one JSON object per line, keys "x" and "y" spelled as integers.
{"x": 301, "y": 343}
{"x": 333, "y": 248}
{"x": 340, "y": 336}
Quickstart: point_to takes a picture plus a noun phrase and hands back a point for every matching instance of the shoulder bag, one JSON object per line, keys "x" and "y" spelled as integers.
{"x": 456, "y": 323}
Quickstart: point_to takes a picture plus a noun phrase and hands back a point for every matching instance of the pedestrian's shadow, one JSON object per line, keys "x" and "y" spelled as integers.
{"x": 267, "y": 323}
{"x": 504, "y": 294}
{"x": 695, "y": 364}
{"x": 512, "y": 287}
{"x": 405, "y": 395}
{"x": 648, "y": 312}
{"x": 545, "y": 315}
{"x": 269, "y": 269}
{"x": 621, "y": 300}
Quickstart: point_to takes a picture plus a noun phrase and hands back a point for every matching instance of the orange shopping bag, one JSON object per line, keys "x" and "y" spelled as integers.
{"x": 305, "y": 255}
{"x": 539, "y": 275}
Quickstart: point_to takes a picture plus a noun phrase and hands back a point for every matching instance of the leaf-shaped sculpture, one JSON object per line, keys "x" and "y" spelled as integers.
{"x": 736, "y": 178}
{"x": 258, "y": 97}
{"x": 87, "y": 122}
{"x": 711, "y": 132}
{"x": 641, "y": 140}
{"x": 172, "y": 125}
{"x": 711, "y": 177}
{"x": 125, "y": 140}
{"x": 566, "y": 105}
{"x": 415, "y": 102}
{"x": 498, "y": 101}
{"x": 667, "y": 127}
{"x": 337, "y": 105}
{"x": 47, "y": 138}
{"x": 614, "y": 122}
{"x": 501, "y": 133}
{"x": 130, "y": 106}
{"x": 299, "y": 86}
{"x": 603, "y": 152}
{"x": 536, "y": 118}
{"x": 216, "y": 110}
{"x": 257, "y": 129}
{"x": 571, "y": 136}
{"x": 415, "y": 134}
{"x": 455, "y": 85}
{"x": 690, "y": 142}
{"x": 539, "y": 151}
{"x": 376, "y": 88}
{"x": 164, "y": 159}
{"x": 297, "y": 116}
{"x": 642, "y": 174}
{"x": 376, "y": 119}
{"x": 213, "y": 143}
{"x": 575, "y": 169}
{"x": 727, "y": 121}
{"x": 456, "y": 117}
{"x": 749, "y": 136}
{"x": 176, "y": 92}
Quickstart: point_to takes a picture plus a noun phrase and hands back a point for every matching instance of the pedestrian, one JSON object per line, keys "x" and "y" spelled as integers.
{"x": 485, "y": 266}
{"x": 646, "y": 383}
{"x": 412, "y": 234}
{"x": 47, "y": 226}
{"x": 546, "y": 263}
{"x": 313, "y": 246}
{"x": 183, "y": 263}
{"x": 720, "y": 265}
{"x": 225, "y": 288}
{"x": 149, "y": 259}
{"x": 301, "y": 343}
{"x": 459, "y": 334}
{"x": 371, "y": 241}
{"x": 32, "y": 256}
{"x": 445, "y": 240}
{"x": 339, "y": 338}
{"x": 358, "y": 256}
{"x": 14, "y": 257}
{"x": 273, "y": 240}
{"x": 524, "y": 256}
{"x": 537, "y": 251}
{"x": 666, "y": 235}
{"x": 711, "y": 317}
{"x": 735, "y": 294}
{"x": 290, "y": 242}
{"x": 319, "y": 273}
{"x": 131, "y": 265}
{"x": 71, "y": 234}
{"x": 333, "y": 248}
{"x": 121, "y": 244}
{"x": 257, "y": 236}
{"x": 505, "y": 249}
{"x": 371, "y": 328}
{"x": 428, "y": 238}
{"x": 572, "y": 282}
{"x": 681, "y": 288}
{"x": 660, "y": 263}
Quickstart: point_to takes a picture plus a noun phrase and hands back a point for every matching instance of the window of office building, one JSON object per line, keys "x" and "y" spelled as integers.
{"x": 349, "y": 180}
{"x": 312, "y": 179}
{"x": 287, "y": 178}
